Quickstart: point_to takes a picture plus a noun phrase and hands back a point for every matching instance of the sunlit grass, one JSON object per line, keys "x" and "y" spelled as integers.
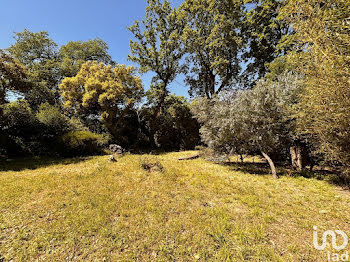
{"x": 92, "y": 209}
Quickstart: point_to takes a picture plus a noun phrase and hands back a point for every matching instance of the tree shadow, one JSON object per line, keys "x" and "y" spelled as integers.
{"x": 333, "y": 177}
{"x": 156, "y": 152}
{"x": 19, "y": 164}
{"x": 249, "y": 167}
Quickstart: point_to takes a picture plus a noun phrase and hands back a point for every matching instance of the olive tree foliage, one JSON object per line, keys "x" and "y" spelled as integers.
{"x": 322, "y": 53}
{"x": 157, "y": 45}
{"x": 219, "y": 129}
{"x": 213, "y": 42}
{"x": 250, "y": 121}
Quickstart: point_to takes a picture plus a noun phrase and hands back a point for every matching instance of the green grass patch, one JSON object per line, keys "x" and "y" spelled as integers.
{"x": 89, "y": 209}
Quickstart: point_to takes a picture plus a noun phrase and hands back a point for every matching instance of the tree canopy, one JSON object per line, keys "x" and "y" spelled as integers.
{"x": 157, "y": 46}
{"x": 213, "y": 43}
{"x": 103, "y": 91}
{"x": 75, "y": 53}
{"x": 263, "y": 76}
{"x": 13, "y": 76}
{"x": 264, "y": 33}
{"x": 321, "y": 52}
{"x": 258, "y": 120}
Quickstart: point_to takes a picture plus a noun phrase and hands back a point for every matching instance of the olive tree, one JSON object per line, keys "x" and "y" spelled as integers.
{"x": 249, "y": 121}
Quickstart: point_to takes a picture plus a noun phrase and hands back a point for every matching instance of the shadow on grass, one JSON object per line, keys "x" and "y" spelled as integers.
{"x": 333, "y": 177}
{"x": 19, "y": 164}
{"x": 320, "y": 173}
{"x": 156, "y": 152}
{"x": 249, "y": 167}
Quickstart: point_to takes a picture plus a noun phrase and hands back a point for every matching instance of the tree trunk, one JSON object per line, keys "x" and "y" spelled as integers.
{"x": 189, "y": 158}
{"x": 298, "y": 157}
{"x": 152, "y": 131}
{"x": 242, "y": 158}
{"x": 272, "y": 165}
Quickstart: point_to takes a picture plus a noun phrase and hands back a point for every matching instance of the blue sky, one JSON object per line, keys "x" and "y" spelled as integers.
{"x": 72, "y": 20}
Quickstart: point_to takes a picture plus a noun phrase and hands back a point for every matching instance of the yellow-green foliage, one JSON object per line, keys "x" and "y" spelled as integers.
{"x": 52, "y": 117}
{"x": 322, "y": 42}
{"x": 94, "y": 210}
{"x": 82, "y": 143}
{"x": 12, "y": 76}
{"x": 101, "y": 89}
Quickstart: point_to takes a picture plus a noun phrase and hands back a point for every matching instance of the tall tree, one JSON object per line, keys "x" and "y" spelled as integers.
{"x": 102, "y": 91}
{"x": 75, "y": 53}
{"x": 322, "y": 54}
{"x": 176, "y": 128}
{"x": 13, "y": 76}
{"x": 157, "y": 46}
{"x": 39, "y": 54}
{"x": 213, "y": 43}
{"x": 264, "y": 33}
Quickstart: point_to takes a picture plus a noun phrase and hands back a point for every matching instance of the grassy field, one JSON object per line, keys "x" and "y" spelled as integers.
{"x": 89, "y": 209}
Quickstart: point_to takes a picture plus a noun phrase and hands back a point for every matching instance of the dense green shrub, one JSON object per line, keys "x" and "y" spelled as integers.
{"x": 18, "y": 128}
{"x": 52, "y": 118}
{"x": 46, "y": 132}
{"x": 79, "y": 143}
{"x": 175, "y": 128}
{"x": 56, "y": 122}
{"x": 18, "y": 117}
{"x": 54, "y": 125}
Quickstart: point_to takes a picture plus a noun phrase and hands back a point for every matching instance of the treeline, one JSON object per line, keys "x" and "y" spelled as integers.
{"x": 74, "y": 100}
{"x": 268, "y": 77}
{"x": 299, "y": 109}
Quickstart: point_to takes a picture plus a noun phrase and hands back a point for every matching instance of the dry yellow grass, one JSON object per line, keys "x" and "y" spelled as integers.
{"x": 94, "y": 210}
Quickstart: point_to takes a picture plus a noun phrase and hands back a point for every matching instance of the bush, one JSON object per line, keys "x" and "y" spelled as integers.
{"x": 54, "y": 124}
{"x": 18, "y": 118}
{"x": 80, "y": 143}
{"x": 52, "y": 118}
{"x": 174, "y": 129}
{"x": 18, "y": 128}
